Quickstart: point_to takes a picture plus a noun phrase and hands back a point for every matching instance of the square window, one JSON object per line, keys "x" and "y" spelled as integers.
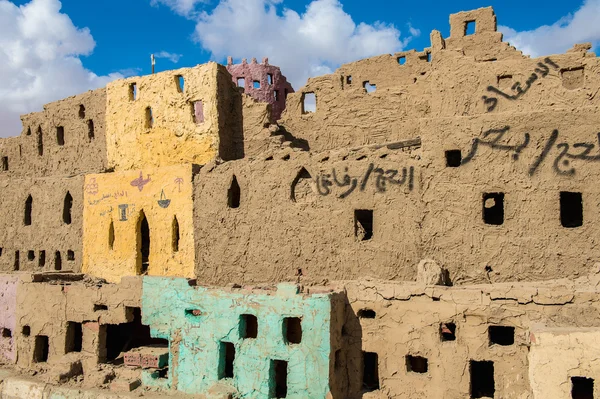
{"x": 41, "y": 349}
{"x": 241, "y": 82}
{"x": 292, "y": 330}
{"x": 256, "y": 84}
{"x": 582, "y": 388}
{"x": 447, "y": 332}
{"x": 493, "y": 208}
{"x": 363, "y": 224}
{"x": 453, "y": 158}
{"x": 501, "y": 335}
{"x": 309, "y": 103}
{"x": 470, "y": 27}
{"x": 248, "y": 326}
{"x": 482, "y": 379}
{"x": 416, "y": 364}
{"x": 571, "y": 209}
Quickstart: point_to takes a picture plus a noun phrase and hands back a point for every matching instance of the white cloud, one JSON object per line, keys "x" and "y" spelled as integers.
{"x": 581, "y": 26}
{"x": 39, "y": 60}
{"x": 174, "y": 58}
{"x": 186, "y": 8}
{"x": 303, "y": 45}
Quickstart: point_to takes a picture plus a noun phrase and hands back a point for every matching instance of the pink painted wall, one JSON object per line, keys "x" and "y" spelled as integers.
{"x": 273, "y": 93}
{"x": 8, "y": 308}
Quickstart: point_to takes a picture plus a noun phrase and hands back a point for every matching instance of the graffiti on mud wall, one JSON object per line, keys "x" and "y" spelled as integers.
{"x": 382, "y": 178}
{"x": 542, "y": 70}
{"x": 562, "y": 160}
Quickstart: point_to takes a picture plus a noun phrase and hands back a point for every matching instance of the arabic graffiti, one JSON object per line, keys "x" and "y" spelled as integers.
{"x": 542, "y": 69}
{"x": 115, "y": 195}
{"x": 562, "y": 161}
{"x": 107, "y": 211}
{"x": 383, "y": 178}
{"x": 140, "y": 182}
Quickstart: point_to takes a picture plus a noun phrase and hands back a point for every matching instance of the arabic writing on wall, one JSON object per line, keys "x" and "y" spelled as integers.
{"x": 542, "y": 70}
{"x": 562, "y": 160}
{"x": 382, "y": 179}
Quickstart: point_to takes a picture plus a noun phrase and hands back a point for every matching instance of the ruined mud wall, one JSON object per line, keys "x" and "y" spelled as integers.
{"x": 268, "y": 221}
{"x": 65, "y": 139}
{"x": 8, "y": 321}
{"x": 115, "y": 205}
{"x": 42, "y": 224}
{"x": 411, "y": 341}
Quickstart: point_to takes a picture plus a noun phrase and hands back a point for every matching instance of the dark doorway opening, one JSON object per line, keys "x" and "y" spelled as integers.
{"x": 370, "y": 371}
{"x": 144, "y": 243}
{"x": 279, "y": 377}
{"x": 571, "y": 209}
{"x": 74, "y": 339}
{"x": 582, "y": 388}
{"x": 501, "y": 335}
{"x": 226, "y": 360}
{"x": 234, "y": 194}
{"x": 363, "y": 224}
{"x": 493, "y": 208}
{"x": 28, "y": 211}
{"x": 41, "y": 349}
{"x": 292, "y": 330}
{"x": 482, "y": 379}
{"x": 248, "y": 326}
{"x": 67, "y": 206}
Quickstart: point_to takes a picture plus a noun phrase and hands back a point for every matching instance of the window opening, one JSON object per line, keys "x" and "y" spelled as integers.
{"x": 571, "y": 209}
{"x": 60, "y": 135}
{"x": 482, "y": 379}
{"x": 428, "y": 57}
{"x": 348, "y": 80}
{"x": 149, "y": 118}
{"x": 448, "y": 332}
{"x": 370, "y": 371}
{"x": 582, "y": 388}
{"x": 501, "y": 335}
{"x": 6, "y": 333}
{"x": 98, "y": 307}
{"x": 234, "y": 194}
{"x": 301, "y": 186}
{"x": 226, "y": 360}
{"x": 5, "y": 164}
{"x": 143, "y": 243}
{"x": 81, "y": 111}
{"x": 133, "y": 92}
{"x": 366, "y": 314}
{"x": 16, "y": 265}
{"x": 111, "y": 236}
{"x": 370, "y": 88}
{"x": 363, "y": 224}
{"x": 270, "y": 78}
{"x": 74, "y": 339}
{"x": 453, "y": 158}
{"x": 91, "y": 132}
{"x": 292, "y": 330}
{"x": 416, "y": 364}
{"x": 28, "y": 210}
{"x": 402, "y": 60}
{"x": 42, "y": 259}
{"x": 309, "y": 103}
{"x": 26, "y": 331}
{"x": 175, "y": 229}
{"x": 256, "y": 84}
{"x": 248, "y": 326}
{"x": 180, "y": 82}
{"x": 40, "y": 351}
{"x": 493, "y": 208}
{"x": 198, "y": 111}
{"x": 57, "y": 261}
{"x": 241, "y": 82}
{"x": 470, "y": 28}
{"x": 40, "y": 141}
{"x": 276, "y": 95}
{"x": 29, "y": 131}
{"x": 30, "y": 255}
{"x": 279, "y": 377}
{"x": 70, "y": 255}
{"x": 67, "y": 207}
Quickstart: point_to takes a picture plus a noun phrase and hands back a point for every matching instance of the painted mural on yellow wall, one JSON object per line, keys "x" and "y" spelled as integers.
{"x": 139, "y": 222}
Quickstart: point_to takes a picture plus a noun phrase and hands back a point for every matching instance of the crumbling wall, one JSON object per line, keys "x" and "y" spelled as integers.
{"x": 116, "y": 241}
{"x": 8, "y": 309}
{"x": 295, "y": 216}
{"x": 42, "y": 224}
{"x": 263, "y": 82}
{"x": 66, "y": 138}
{"x": 287, "y": 326}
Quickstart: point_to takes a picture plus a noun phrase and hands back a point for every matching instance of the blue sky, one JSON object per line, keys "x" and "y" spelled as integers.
{"x": 50, "y": 49}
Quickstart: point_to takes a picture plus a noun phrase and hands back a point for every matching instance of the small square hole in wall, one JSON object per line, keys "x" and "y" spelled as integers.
{"x": 501, "y": 335}
{"x": 41, "y": 349}
{"x": 470, "y": 27}
{"x": 241, "y": 82}
{"x": 6, "y": 333}
{"x": 309, "y": 103}
{"x": 26, "y": 331}
{"x": 493, "y": 208}
{"x": 571, "y": 209}
{"x": 133, "y": 93}
{"x": 453, "y": 158}
{"x": 370, "y": 371}
{"x": 447, "y": 332}
{"x": 582, "y": 388}
{"x": 30, "y": 255}
{"x": 402, "y": 60}
{"x": 99, "y": 307}
{"x": 255, "y": 84}
{"x": 248, "y": 326}
{"x": 70, "y": 255}
{"x": 482, "y": 379}
{"x": 416, "y": 364}
{"x": 292, "y": 330}
{"x": 363, "y": 224}
{"x": 370, "y": 88}
{"x": 348, "y": 80}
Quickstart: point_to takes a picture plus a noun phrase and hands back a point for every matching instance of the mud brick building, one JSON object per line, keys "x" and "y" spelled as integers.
{"x": 414, "y": 225}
